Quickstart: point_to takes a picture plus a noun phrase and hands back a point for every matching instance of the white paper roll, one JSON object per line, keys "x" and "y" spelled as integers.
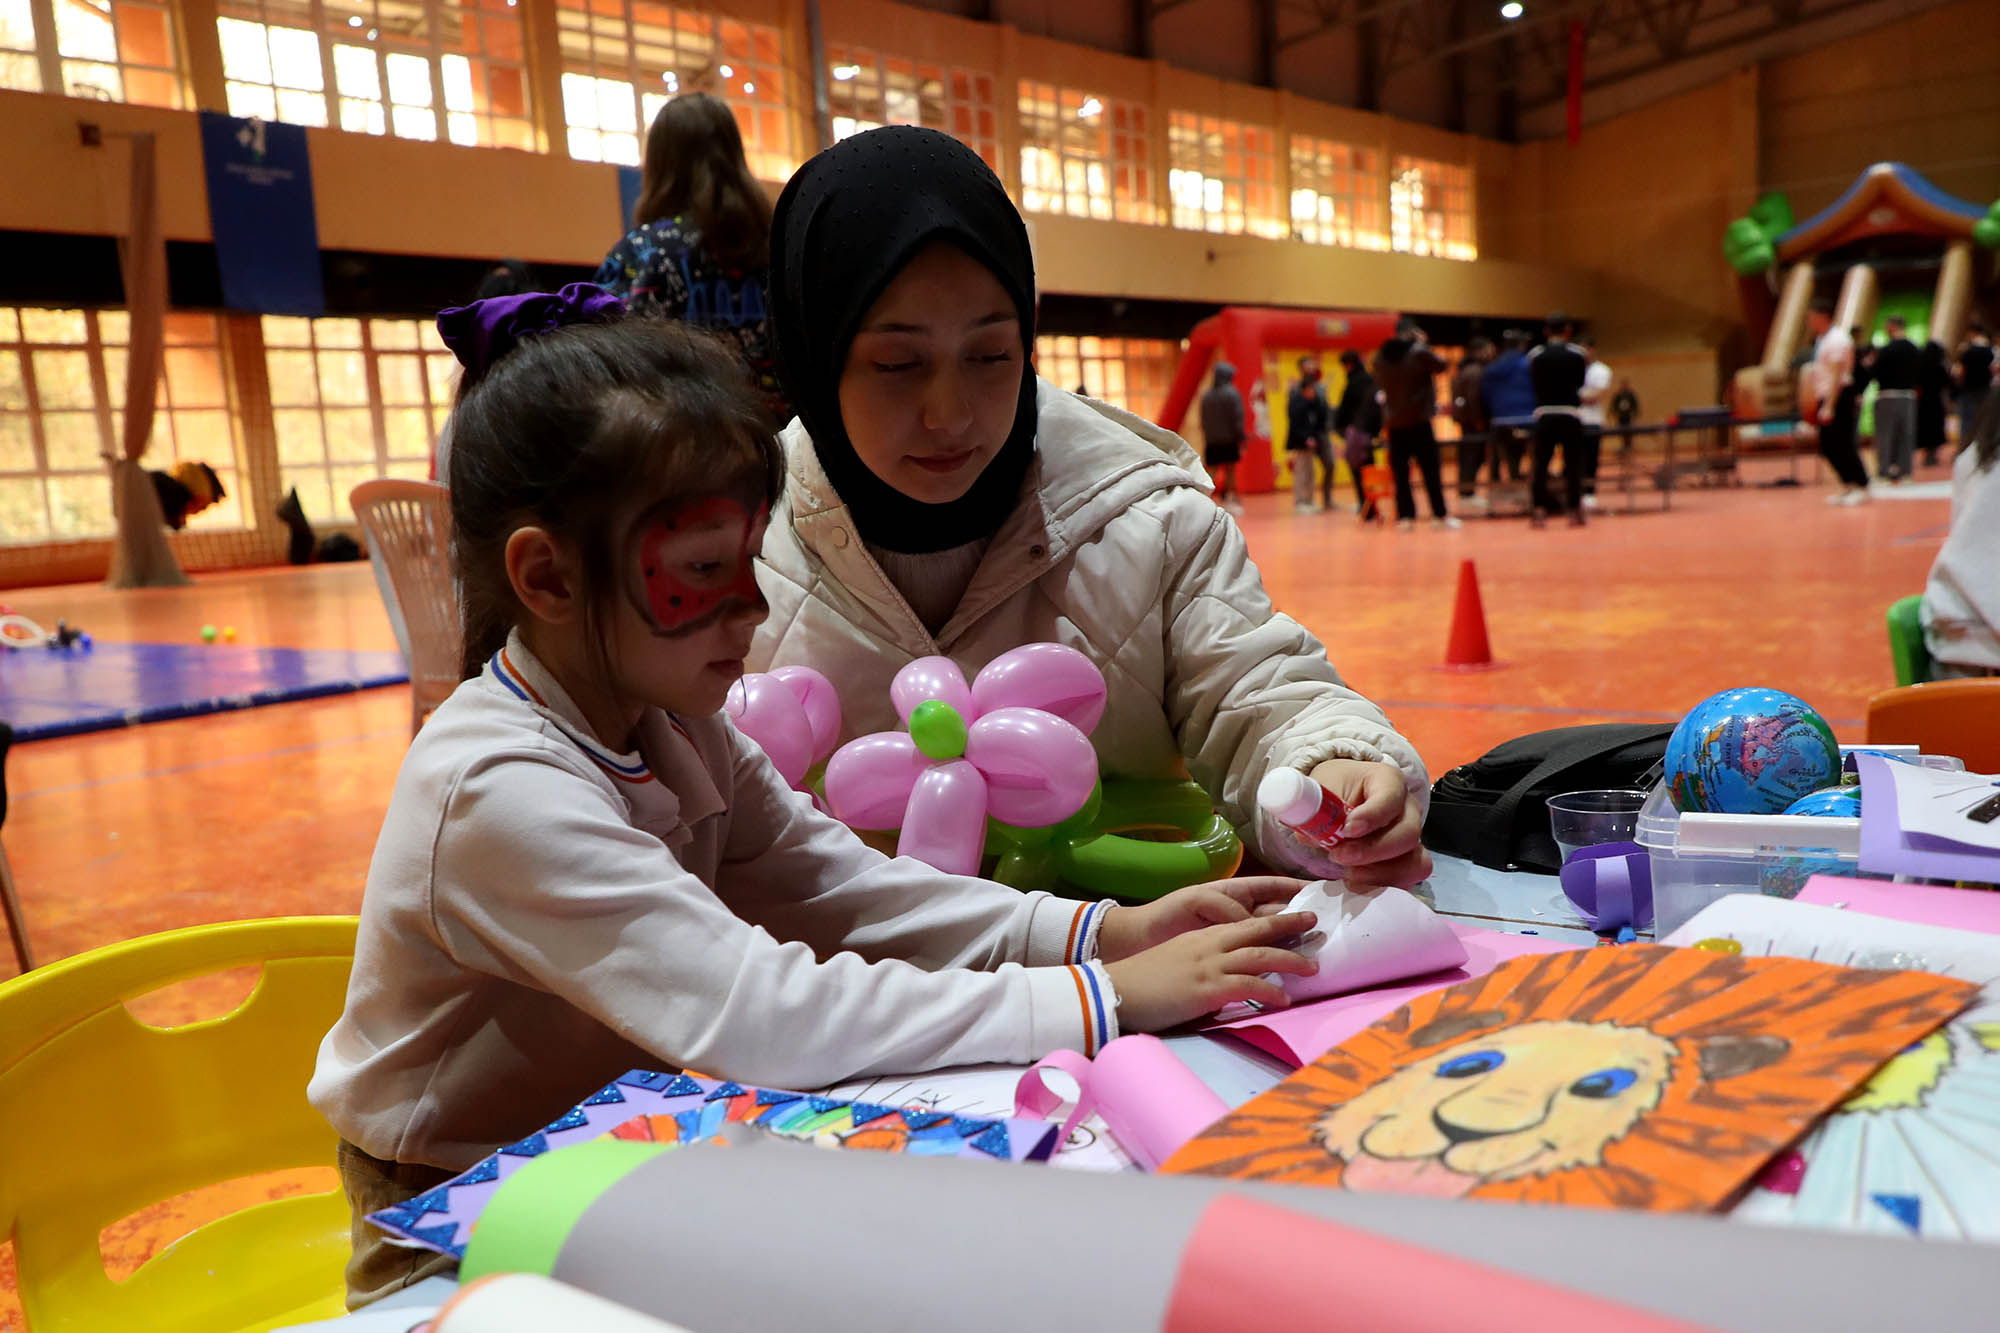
{"x": 1373, "y": 936}
{"x": 530, "y": 1303}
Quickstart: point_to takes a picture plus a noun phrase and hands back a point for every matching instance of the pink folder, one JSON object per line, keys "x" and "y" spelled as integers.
{"x": 1926, "y": 904}
{"x": 1302, "y": 1034}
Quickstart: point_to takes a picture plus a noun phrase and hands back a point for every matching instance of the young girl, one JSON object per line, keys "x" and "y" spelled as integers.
{"x": 585, "y": 868}
{"x": 942, "y": 499}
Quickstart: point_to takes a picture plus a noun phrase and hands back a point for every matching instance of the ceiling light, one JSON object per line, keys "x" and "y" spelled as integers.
{"x": 846, "y": 72}
{"x": 1091, "y": 107}
{"x": 750, "y": 88}
{"x": 727, "y": 72}
{"x": 1511, "y": 10}
{"x": 354, "y": 21}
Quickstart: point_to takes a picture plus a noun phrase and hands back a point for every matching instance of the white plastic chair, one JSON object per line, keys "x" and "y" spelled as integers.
{"x": 408, "y": 526}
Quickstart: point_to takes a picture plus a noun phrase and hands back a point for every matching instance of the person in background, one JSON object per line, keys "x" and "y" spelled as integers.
{"x": 1625, "y": 406}
{"x": 1933, "y": 391}
{"x": 1899, "y": 372}
{"x": 1962, "y": 599}
{"x": 1558, "y": 368}
{"x": 184, "y": 490}
{"x": 1406, "y": 371}
{"x": 1222, "y": 432}
{"x": 1825, "y": 401}
{"x": 1596, "y": 396}
{"x": 1358, "y": 420}
{"x": 700, "y": 246}
{"x": 1307, "y": 418}
{"x": 1509, "y": 392}
{"x": 1973, "y": 378}
{"x": 1468, "y": 409}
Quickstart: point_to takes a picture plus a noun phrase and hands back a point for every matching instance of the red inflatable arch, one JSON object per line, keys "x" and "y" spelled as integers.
{"x": 1243, "y": 334}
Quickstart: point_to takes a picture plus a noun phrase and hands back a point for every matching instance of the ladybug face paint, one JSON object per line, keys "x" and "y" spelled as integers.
{"x": 697, "y": 561}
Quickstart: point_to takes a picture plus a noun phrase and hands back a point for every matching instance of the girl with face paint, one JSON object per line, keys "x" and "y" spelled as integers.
{"x": 941, "y": 499}
{"x": 585, "y": 868}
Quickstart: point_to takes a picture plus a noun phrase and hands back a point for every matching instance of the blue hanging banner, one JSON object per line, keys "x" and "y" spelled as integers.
{"x": 260, "y": 209}
{"x": 628, "y": 195}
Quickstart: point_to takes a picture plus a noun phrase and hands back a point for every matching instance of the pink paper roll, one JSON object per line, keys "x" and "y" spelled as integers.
{"x": 1149, "y": 1100}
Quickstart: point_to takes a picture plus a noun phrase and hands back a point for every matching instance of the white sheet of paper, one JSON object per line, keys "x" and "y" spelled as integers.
{"x": 1373, "y": 936}
{"x": 1917, "y": 1153}
{"x": 987, "y": 1091}
{"x": 1934, "y": 803}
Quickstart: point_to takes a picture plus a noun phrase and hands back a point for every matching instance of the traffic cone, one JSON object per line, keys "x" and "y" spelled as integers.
{"x": 1468, "y": 648}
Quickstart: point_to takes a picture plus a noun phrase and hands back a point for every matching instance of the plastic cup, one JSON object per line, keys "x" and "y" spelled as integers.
{"x": 1581, "y": 819}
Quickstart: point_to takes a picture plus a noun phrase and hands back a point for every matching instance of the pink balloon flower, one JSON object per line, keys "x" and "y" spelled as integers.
{"x": 1012, "y": 745}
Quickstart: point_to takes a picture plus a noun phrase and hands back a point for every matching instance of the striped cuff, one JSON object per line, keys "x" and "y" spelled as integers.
{"x": 1081, "y": 946}
{"x": 1099, "y": 1003}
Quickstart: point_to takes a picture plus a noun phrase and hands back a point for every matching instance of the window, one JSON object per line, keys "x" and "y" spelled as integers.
{"x": 1336, "y": 194}
{"x": 623, "y": 59}
{"x": 109, "y": 50}
{"x": 418, "y": 69}
{"x": 867, "y": 90}
{"x": 1132, "y": 373}
{"x": 1430, "y": 209}
{"x": 1085, "y": 155}
{"x": 62, "y": 400}
{"x": 1222, "y": 176}
{"x": 353, "y": 400}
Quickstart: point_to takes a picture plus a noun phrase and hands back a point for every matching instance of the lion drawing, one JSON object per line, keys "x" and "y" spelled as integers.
{"x": 1634, "y": 1077}
{"x": 1538, "y": 1097}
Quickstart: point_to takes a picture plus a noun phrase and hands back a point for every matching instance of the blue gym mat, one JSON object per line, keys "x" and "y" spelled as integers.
{"x": 46, "y": 693}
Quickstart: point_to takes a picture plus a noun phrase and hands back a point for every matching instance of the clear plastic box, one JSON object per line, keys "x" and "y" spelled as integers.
{"x": 1698, "y": 858}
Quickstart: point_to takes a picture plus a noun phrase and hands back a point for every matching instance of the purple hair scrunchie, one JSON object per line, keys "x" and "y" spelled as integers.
{"x": 481, "y": 333}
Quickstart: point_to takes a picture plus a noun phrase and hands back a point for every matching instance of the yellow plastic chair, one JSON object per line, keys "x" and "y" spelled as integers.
{"x": 102, "y": 1115}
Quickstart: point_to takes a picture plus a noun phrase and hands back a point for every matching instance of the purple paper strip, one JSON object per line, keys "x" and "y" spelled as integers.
{"x": 1887, "y": 850}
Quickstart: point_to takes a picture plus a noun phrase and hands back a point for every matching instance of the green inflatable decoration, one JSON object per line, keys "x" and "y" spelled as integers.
{"x": 1093, "y": 851}
{"x": 1749, "y": 243}
{"x": 1986, "y": 231}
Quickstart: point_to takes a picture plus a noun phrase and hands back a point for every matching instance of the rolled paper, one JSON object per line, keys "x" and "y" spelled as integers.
{"x": 1611, "y": 884}
{"x": 1150, "y": 1101}
{"x": 1372, "y": 936}
{"x": 530, "y": 1303}
{"x": 764, "y": 1234}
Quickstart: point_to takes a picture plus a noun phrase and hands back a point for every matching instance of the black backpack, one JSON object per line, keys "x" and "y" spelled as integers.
{"x": 1493, "y": 810}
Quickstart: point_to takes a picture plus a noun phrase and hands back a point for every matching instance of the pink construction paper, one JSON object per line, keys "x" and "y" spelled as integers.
{"x": 1302, "y": 1034}
{"x": 1250, "y": 1264}
{"x": 1150, "y": 1101}
{"x": 1925, "y": 904}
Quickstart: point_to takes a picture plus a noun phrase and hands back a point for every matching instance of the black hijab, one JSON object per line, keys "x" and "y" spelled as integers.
{"x": 846, "y": 225}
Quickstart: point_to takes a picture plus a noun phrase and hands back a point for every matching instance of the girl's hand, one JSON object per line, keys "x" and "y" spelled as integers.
{"x": 1130, "y": 930}
{"x": 1195, "y": 974}
{"x": 1382, "y": 840}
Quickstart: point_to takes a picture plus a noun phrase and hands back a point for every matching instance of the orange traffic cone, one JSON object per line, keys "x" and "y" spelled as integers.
{"x": 1468, "y": 648}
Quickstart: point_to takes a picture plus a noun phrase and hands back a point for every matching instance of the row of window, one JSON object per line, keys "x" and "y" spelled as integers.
{"x": 349, "y": 400}
{"x": 456, "y": 70}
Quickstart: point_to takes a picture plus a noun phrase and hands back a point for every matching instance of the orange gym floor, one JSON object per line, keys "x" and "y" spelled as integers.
{"x": 274, "y": 810}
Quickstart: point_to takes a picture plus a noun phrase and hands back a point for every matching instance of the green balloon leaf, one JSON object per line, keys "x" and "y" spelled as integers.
{"x": 937, "y": 729}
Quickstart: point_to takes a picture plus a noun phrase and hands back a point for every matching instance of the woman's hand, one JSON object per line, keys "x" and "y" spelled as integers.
{"x": 1196, "y": 973}
{"x": 1130, "y": 930}
{"x": 1381, "y": 842}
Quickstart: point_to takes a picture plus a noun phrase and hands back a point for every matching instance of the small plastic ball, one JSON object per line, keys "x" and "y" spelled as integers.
{"x": 208, "y": 633}
{"x": 229, "y": 634}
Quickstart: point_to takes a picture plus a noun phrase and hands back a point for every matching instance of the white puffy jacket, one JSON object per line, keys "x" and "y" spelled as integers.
{"x": 1118, "y": 552}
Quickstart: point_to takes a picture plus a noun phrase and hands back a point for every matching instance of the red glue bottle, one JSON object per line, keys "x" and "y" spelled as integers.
{"x": 1299, "y": 803}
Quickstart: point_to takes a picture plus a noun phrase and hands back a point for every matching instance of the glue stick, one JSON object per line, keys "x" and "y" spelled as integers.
{"x": 1299, "y": 803}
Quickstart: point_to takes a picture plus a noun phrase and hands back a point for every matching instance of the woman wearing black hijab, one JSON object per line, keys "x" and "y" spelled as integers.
{"x": 941, "y": 499}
